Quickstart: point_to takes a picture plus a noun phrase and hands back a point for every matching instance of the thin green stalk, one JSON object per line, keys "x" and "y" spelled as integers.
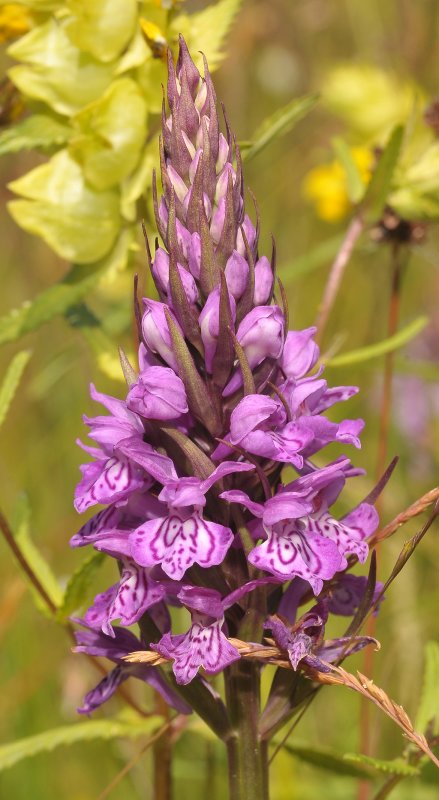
{"x": 247, "y": 754}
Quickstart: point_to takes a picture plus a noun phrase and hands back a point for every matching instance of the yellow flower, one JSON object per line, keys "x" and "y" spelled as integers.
{"x": 14, "y": 22}
{"x": 154, "y": 38}
{"x": 326, "y": 185}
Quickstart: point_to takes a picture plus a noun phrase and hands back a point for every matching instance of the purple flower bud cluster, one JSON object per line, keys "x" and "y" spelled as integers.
{"x": 190, "y": 465}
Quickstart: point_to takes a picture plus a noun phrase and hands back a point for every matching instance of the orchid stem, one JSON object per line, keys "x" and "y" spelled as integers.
{"x": 162, "y": 754}
{"x": 247, "y": 754}
{"x": 336, "y": 274}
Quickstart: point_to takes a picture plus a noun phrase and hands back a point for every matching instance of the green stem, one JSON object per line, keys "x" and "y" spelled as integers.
{"x": 247, "y": 754}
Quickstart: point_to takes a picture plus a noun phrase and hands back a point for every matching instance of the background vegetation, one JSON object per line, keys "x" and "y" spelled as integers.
{"x": 375, "y": 65}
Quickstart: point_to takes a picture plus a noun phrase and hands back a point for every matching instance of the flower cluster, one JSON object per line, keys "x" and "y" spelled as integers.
{"x": 189, "y": 465}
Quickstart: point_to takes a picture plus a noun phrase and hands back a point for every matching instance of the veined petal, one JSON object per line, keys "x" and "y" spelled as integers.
{"x": 287, "y": 553}
{"x": 106, "y": 481}
{"x": 177, "y": 542}
{"x": 203, "y": 646}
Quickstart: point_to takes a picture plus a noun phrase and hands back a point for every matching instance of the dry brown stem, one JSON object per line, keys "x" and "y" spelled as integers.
{"x": 367, "y": 688}
{"x": 416, "y": 508}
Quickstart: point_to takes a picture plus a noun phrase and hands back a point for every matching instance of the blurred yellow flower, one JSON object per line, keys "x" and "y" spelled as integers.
{"x": 154, "y": 38}
{"x": 326, "y": 185}
{"x": 370, "y": 100}
{"x": 14, "y": 21}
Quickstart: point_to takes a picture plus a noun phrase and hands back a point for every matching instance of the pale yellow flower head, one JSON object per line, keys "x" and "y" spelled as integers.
{"x": 326, "y": 185}
{"x": 14, "y": 21}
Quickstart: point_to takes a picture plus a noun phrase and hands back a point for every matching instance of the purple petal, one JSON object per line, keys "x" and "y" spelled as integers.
{"x": 158, "y": 394}
{"x": 154, "y": 463}
{"x": 300, "y": 353}
{"x": 263, "y": 281}
{"x": 178, "y": 542}
{"x": 104, "y": 690}
{"x": 203, "y": 646}
{"x": 106, "y": 481}
{"x": 237, "y": 496}
{"x": 250, "y": 412}
{"x": 236, "y": 272}
{"x": 183, "y": 493}
{"x": 223, "y": 469}
{"x": 287, "y": 553}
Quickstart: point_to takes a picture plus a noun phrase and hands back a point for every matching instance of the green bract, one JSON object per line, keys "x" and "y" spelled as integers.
{"x": 55, "y": 71}
{"x": 113, "y": 131}
{"x": 102, "y": 28}
{"x": 79, "y": 223}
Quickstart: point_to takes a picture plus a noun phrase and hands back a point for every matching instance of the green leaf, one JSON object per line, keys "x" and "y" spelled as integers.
{"x": 112, "y": 131}
{"x": 104, "y": 729}
{"x": 354, "y": 183}
{"x": 80, "y": 224}
{"x": 316, "y": 257}
{"x": 33, "y": 556}
{"x": 429, "y": 705}
{"x": 396, "y": 766}
{"x": 100, "y": 344}
{"x": 380, "y": 183}
{"x": 55, "y": 71}
{"x": 102, "y": 28}
{"x": 76, "y": 591}
{"x": 55, "y": 300}
{"x": 36, "y": 132}
{"x": 206, "y": 30}
{"x": 11, "y": 381}
{"x": 380, "y": 348}
{"x": 329, "y": 760}
{"x": 279, "y": 123}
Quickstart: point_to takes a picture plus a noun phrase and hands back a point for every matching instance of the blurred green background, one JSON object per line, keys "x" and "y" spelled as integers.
{"x": 276, "y": 50}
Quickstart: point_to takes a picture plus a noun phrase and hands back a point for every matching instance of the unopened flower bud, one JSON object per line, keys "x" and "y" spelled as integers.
{"x": 263, "y": 281}
{"x": 236, "y": 273}
{"x": 156, "y": 333}
{"x": 300, "y": 353}
{"x": 158, "y": 394}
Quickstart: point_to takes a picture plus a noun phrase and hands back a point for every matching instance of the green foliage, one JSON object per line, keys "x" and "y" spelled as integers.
{"x": 326, "y": 759}
{"x": 40, "y": 567}
{"x": 316, "y": 257}
{"x": 397, "y": 766}
{"x": 61, "y": 296}
{"x": 354, "y": 182}
{"x": 380, "y": 348}
{"x": 78, "y": 585}
{"x": 207, "y": 29}
{"x": 105, "y": 729}
{"x": 40, "y": 131}
{"x": 102, "y": 28}
{"x": 428, "y": 711}
{"x": 56, "y": 72}
{"x": 81, "y": 224}
{"x": 278, "y": 124}
{"x": 11, "y": 382}
{"x": 106, "y": 147}
{"x": 378, "y": 190}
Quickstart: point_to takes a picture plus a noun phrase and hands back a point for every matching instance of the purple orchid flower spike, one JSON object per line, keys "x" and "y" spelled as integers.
{"x": 190, "y": 467}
